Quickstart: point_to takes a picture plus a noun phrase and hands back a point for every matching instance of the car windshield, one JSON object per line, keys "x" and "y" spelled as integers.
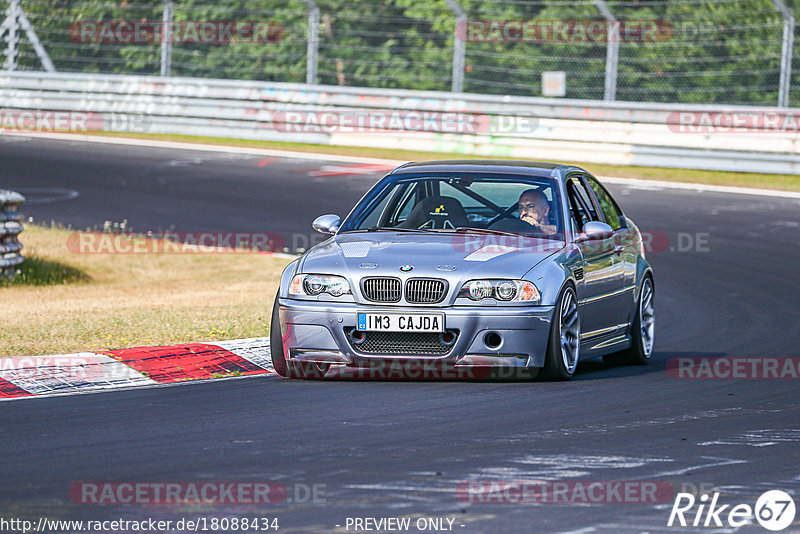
{"x": 518, "y": 205}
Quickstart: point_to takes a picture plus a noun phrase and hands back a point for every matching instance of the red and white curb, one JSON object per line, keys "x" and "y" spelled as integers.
{"x": 29, "y": 376}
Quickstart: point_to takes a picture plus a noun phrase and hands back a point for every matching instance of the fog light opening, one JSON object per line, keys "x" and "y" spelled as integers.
{"x": 492, "y": 340}
{"x": 357, "y": 336}
{"x": 447, "y": 338}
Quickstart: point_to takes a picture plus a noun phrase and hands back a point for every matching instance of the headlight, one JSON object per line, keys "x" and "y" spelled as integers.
{"x": 316, "y": 284}
{"x": 502, "y": 290}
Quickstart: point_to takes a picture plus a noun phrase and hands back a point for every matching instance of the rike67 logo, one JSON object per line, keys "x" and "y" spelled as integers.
{"x": 774, "y": 510}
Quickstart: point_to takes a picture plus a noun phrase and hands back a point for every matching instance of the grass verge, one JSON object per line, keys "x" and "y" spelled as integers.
{"x": 784, "y": 182}
{"x": 65, "y": 302}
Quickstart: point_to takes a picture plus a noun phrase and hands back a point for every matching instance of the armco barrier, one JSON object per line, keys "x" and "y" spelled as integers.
{"x": 10, "y": 228}
{"x": 620, "y": 133}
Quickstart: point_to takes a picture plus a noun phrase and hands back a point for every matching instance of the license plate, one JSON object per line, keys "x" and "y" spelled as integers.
{"x": 401, "y": 322}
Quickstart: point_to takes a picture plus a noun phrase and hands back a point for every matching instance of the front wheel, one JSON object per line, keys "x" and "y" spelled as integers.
{"x": 643, "y": 329}
{"x": 563, "y": 348}
{"x": 292, "y": 369}
{"x": 276, "y": 342}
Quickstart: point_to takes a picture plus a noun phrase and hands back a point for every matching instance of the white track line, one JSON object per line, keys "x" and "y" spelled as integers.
{"x": 155, "y": 143}
{"x": 356, "y": 159}
{"x": 701, "y": 188}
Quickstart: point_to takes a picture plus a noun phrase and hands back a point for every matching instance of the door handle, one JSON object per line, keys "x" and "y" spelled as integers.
{"x": 619, "y": 248}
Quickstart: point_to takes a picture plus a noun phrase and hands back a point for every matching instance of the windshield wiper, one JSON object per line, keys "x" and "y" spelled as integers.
{"x": 398, "y": 229}
{"x": 470, "y": 229}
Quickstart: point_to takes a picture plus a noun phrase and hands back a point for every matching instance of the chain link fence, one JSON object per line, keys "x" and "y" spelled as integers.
{"x": 685, "y": 51}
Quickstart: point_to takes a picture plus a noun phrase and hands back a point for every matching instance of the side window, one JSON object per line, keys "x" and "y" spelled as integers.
{"x": 406, "y": 204}
{"x": 372, "y": 218}
{"x": 607, "y": 204}
{"x": 580, "y": 203}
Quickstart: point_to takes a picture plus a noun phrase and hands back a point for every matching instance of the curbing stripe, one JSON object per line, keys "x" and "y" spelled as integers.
{"x": 35, "y": 376}
{"x": 255, "y": 350}
{"x": 193, "y": 361}
{"x": 9, "y": 390}
{"x": 59, "y": 373}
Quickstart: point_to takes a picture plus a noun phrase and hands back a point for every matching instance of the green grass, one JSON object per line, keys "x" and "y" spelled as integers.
{"x": 64, "y": 301}
{"x": 36, "y": 271}
{"x": 785, "y": 182}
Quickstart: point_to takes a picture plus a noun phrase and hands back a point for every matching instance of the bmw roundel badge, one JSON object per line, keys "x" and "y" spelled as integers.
{"x": 406, "y": 268}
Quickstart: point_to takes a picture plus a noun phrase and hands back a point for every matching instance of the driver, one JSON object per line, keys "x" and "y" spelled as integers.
{"x": 534, "y": 215}
{"x": 534, "y": 209}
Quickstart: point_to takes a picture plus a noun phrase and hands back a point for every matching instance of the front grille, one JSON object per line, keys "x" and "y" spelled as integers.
{"x": 425, "y": 290}
{"x": 409, "y": 343}
{"x": 381, "y": 289}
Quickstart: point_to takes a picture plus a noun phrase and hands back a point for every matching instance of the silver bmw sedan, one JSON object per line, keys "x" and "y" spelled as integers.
{"x": 473, "y": 267}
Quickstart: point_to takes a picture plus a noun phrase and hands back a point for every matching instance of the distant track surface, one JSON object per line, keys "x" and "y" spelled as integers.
{"x": 392, "y": 449}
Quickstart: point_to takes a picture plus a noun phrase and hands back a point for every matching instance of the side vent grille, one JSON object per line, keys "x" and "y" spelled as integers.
{"x": 578, "y": 273}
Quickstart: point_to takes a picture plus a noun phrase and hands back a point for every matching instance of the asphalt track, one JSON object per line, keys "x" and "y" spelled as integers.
{"x": 401, "y": 449}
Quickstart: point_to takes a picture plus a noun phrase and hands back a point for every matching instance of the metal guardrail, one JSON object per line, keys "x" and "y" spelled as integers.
{"x": 10, "y": 228}
{"x": 565, "y": 130}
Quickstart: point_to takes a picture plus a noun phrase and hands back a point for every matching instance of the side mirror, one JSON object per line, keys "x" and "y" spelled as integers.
{"x": 596, "y": 230}
{"x": 326, "y": 224}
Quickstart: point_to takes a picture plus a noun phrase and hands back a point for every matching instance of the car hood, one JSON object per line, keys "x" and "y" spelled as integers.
{"x": 443, "y": 255}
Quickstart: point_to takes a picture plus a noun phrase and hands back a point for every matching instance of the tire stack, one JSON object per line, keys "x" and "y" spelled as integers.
{"x": 10, "y": 228}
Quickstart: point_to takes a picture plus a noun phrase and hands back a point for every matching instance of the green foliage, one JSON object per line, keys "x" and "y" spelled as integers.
{"x": 716, "y": 51}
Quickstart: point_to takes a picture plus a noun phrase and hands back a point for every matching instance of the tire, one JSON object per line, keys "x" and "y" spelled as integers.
{"x": 525, "y": 374}
{"x": 563, "y": 348}
{"x": 642, "y": 338}
{"x": 276, "y": 342}
{"x": 529, "y": 373}
{"x": 289, "y": 368}
{"x": 307, "y": 370}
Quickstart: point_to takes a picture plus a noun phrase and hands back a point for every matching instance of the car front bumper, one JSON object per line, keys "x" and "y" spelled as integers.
{"x": 317, "y": 331}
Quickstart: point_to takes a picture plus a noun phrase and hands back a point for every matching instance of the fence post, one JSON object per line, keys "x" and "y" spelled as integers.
{"x": 11, "y": 25}
{"x": 312, "y": 49}
{"x": 459, "y": 46}
{"x": 166, "y": 39}
{"x": 612, "y": 51}
{"x": 15, "y": 20}
{"x": 10, "y": 228}
{"x": 784, "y": 85}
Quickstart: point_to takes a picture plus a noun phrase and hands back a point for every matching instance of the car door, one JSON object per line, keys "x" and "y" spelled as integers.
{"x": 624, "y": 237}
{"x": 601, "y": 299}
